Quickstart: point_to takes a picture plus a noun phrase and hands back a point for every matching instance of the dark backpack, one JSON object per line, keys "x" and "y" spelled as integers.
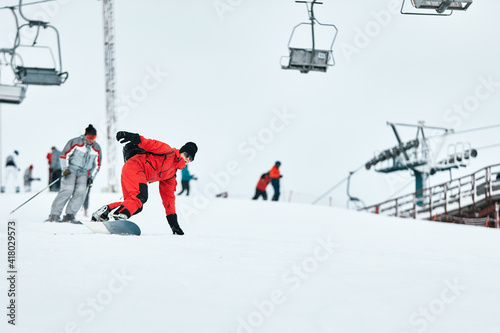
{"x": 130, "y": 150}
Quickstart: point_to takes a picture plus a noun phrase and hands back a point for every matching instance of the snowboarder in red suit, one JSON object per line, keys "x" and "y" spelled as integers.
{"x": 260, "y": 190}
{"x": 150, "y": 161}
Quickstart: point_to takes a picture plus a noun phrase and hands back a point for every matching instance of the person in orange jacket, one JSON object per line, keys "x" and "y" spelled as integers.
{"x": 148, "y": 161}
{"x": 260, "y": 190}
{"x": 275, "y": 180}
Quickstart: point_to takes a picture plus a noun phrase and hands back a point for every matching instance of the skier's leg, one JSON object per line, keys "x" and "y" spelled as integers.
{"x": 65, "y": 193}
{"x": 57, "y": 185}
{"x": 183, "y": 183}
{"x": 76, "y": 201}
{"x": 7, "y": 175}
{"x": 17, "y": 183}
{"x": 275, "y": 184}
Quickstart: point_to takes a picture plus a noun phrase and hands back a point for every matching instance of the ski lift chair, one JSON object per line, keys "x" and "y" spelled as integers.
{"x": 440, "y": 6}
{"x": 11, "y": 94}
{"x": 51, "y": 76}
{"x": 310, "y": 59}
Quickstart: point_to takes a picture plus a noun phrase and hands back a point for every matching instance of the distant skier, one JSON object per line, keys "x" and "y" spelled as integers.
{"x": 185, "y": 179}
{"x": 11, "y": 171}
{"x": 54, "y": 168}
{"x": 260, "y": 190}
{"x": 80, "y": 161}
{"x": 28, "y": 178}
{"x": 275, "y": 180}
{"x": 148, "y": 161}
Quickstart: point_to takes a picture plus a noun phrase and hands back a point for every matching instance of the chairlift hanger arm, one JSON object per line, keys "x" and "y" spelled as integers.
{"x": 313, "y": 19}
{"x": 31, "y": 22}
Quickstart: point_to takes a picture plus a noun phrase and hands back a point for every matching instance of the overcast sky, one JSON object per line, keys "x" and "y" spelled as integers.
{"x": 209, "y": 72}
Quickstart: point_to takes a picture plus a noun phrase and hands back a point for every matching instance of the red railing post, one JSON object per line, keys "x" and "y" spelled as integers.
{"x": 497, "y": 216}
{"x": 430, "y": 201}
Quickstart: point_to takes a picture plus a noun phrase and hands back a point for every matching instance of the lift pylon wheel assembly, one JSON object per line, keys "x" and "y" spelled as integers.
{"x": 442, "y": 7}
{"x": 310, "y": 59}
{"x": 44, "y": 76}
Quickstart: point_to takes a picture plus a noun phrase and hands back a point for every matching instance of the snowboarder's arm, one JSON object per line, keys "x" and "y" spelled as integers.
{"x": 167, "y": 193}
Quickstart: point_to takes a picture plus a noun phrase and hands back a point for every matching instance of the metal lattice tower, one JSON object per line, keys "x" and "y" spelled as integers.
{"x": 109, "y": 55}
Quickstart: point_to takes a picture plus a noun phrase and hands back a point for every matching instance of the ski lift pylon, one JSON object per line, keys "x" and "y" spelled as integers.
{"x": 37, "y": 75}
{"x": 310, "y": 59}
{"x": 442, "y": 7}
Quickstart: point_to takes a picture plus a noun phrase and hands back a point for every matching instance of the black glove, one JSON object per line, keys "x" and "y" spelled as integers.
{"x": 89, "y": 182}
{"x": 124, "y": 137}
{"x": 66, "y": 172}
{"x": 172, "y": 221}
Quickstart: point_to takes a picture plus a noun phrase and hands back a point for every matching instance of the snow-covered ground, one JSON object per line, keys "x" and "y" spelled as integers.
{"x": 246, "y": 266}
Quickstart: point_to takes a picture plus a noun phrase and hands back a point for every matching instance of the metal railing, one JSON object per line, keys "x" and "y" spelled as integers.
{"x": 469, "y": 196}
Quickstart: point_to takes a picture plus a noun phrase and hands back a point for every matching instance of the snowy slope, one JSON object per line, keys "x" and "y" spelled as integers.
{"x": 246, "y": 266}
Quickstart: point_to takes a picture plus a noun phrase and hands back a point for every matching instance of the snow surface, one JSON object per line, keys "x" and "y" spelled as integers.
{"x": 247, "y": 266}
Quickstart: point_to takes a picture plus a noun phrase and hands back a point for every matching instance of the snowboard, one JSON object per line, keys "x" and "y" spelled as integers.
{"x": 112, "y": 227}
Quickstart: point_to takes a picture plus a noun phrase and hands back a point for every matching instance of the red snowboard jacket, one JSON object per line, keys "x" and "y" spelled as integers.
{"x": 263, "y": 182}
{"x": 160, "y": 165}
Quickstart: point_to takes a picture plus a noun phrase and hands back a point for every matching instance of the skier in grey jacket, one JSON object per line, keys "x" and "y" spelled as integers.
{"x": 80, "y": 162}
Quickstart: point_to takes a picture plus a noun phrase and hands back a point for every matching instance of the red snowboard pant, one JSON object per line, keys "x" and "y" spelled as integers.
{"x": 134, "y": 188}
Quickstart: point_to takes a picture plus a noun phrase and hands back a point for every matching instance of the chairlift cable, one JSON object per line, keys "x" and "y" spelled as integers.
{"x": 401, "y": 189}
{"x": 337, "y": 185}
{"x": 466, "y": 131}
{"x": 490, "y": 146}
{"x": 27, "y": 4}
{"x": 478, "y": 129}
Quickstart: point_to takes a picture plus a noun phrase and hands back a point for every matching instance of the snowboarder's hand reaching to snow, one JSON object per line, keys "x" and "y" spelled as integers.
{"x": 124, "y": 137}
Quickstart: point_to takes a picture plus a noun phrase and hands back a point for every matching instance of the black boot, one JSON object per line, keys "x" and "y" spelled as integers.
{"x": 172, "y": 221}
{"x": 101, "y": 214}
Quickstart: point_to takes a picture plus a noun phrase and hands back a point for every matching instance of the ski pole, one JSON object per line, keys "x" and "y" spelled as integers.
{"x": 24, "y": 203}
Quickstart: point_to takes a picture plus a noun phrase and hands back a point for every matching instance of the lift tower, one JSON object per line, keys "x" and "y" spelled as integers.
{"x": 109, "y": 60}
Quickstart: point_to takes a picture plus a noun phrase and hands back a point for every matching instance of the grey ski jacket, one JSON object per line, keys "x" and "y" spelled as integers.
{"x": 80, "y": 157}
